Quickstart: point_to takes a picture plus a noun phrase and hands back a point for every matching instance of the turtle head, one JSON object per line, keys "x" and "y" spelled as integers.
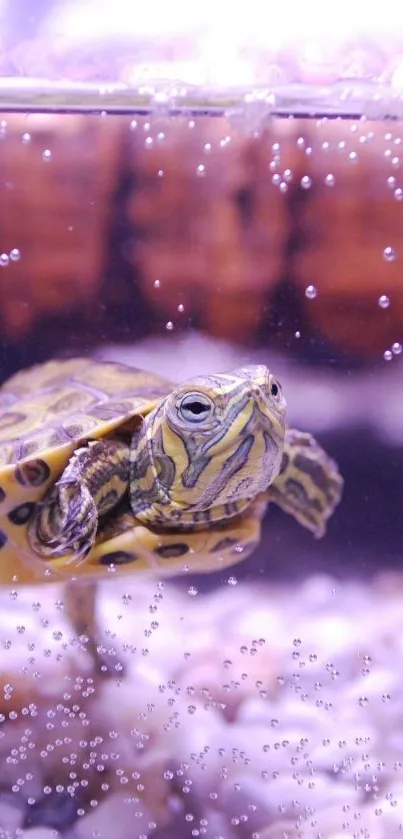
{"x": 208, "y": 448}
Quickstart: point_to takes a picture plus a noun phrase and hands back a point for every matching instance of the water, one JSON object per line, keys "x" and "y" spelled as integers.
{"x": 256, "y": 692}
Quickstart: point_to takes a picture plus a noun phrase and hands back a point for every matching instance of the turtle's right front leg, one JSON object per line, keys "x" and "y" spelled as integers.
{"x": 93, "y": 482}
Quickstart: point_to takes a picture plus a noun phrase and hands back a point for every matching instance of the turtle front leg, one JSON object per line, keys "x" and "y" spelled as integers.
{"x": 93, "y": 482}
{"x": 309, "y": 485}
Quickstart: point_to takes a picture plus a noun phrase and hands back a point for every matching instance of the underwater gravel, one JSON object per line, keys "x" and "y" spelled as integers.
{"x": 254, "y": 712}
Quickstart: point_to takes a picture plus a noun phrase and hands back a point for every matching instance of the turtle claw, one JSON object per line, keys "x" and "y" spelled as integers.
{"x": 65, "y": 522}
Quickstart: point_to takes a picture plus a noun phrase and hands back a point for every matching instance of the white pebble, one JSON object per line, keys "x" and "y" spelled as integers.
{"x": 282, "y": 829}
{"x": 11, "y": 817}
{"x": 116, "y": 817}
{"x": 287, "y": 795}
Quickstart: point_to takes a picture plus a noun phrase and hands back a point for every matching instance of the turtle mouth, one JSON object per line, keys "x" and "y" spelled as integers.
{"x": 264, "y": 416}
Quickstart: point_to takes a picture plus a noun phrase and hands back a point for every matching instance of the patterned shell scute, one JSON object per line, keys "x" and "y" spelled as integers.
{"x": 62, "y": 402}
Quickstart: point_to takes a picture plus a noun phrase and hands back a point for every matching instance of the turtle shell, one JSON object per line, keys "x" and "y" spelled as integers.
{"x": 45, "y": 413}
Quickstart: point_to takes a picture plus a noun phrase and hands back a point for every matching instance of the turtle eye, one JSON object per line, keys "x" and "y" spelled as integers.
{"x": 195, "y": 407}
{"x": 275, "y": 390}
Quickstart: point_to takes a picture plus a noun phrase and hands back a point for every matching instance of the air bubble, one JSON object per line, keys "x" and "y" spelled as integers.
{"x": 47, "y": 154}
{"x": 287, "y": 175}
{"x": 276, "y": 180}
{"x": 193, "y": 591}
{"x": 283, "y": 187}
{"x": 169, "y": 326}
{"x": 160, "y": 173}
{"x": 395, "y": 162}
{"x": 398, "y": 194}
{"x": 181, "y": 308}
{"x": 353, "y": 157}
{"x": 396, "y": 348}
{"x": 26, "y": 138}
{"x": 200, "y": 170}
{"x": 300, "y": 142}
{"x": 232, "y": 581}
{"x": 160, "y": 136}
{"x": 389, "y": 254}
{"x": 384, "y": 301}
{"x": 15, "y": 255}
{"x": 391, "y": 182}
{"x": 149, "y": 142}
{"x": 306, "y": 182}
{"x": 330, "y": 180}
{"x": 388, "y": 355}
{"x": 311, "y": 292}
{"x": 207, "y": 147}
{"x": 4, "y": 260}
{"x": 297, "y": 334}
{"x": 157, "y": 283}
{"x": 133, "y": 125}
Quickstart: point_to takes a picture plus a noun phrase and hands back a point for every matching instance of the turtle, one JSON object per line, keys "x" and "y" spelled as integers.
{"x": 104, "y": 467}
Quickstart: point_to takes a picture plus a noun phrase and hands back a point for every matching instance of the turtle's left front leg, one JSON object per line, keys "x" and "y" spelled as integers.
{"x": 93, "y": 482}
{"x": 309, "y": 485}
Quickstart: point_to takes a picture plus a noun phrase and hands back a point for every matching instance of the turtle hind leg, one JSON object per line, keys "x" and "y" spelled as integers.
{"x": 309, "y": 485}
{"x": 93, "y": 482}
{"x": 80, "y": 604}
